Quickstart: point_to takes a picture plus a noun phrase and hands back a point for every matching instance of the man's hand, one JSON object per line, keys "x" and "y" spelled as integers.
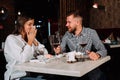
{"x": 57, "y": 50}
{"x": 92, "y": 55}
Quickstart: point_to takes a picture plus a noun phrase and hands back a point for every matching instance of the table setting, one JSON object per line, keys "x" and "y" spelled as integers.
{"x": 69, "y": 57}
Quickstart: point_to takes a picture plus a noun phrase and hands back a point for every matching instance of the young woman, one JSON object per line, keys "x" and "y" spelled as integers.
{"x": 20, "y": 47}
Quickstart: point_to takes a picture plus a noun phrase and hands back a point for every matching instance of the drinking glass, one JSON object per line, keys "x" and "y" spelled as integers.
{"x": 83, "y": 44}
{"x": 81, "y": 51}
{"x": 55, "y": 41}
{"x": 38, "y": 53}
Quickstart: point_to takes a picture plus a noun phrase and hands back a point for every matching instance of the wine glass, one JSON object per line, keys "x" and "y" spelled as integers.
{"x": 38, "y": 53}
{"x": 81, "y": 51}
{"x": 55, "y": 41}
{"x": 83, "y": 44}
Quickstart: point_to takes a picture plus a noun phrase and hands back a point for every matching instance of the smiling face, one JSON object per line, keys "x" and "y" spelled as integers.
{"x": 28, "y": 25}
{"x": 71, "y": 23}
{"x": 74, "y": 22}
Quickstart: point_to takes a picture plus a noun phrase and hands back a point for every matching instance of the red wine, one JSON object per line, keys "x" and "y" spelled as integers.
{"x": 83, "y": 45}
{"x": 56, "y": 45}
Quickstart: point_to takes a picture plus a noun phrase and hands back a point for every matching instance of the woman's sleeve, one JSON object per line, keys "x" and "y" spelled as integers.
{"x": 15, "y": 50}
{"x": 41, "y": 47}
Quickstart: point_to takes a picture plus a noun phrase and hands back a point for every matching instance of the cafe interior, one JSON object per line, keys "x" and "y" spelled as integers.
{"x": 50, "y": 17}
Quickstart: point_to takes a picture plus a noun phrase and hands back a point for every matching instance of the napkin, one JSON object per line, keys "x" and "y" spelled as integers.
{"x": 71, "y": 56}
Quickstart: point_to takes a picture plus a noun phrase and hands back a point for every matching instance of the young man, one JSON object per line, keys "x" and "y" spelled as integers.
{"x": 78, "y": 34}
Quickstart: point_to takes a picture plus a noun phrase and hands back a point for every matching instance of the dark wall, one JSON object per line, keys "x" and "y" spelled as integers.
{"x": 35, "y": 8}
{"x": 8, "y": 22}
{"x": 108, "y": 17}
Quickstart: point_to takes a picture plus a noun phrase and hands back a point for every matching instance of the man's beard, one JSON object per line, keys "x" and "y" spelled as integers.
{"x": 73, "y": 31}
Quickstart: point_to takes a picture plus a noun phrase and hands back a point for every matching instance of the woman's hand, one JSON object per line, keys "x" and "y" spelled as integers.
{"x": 35, "y": 43}
{"x": 31, "y": 35}
{"x": 48, "y": 56}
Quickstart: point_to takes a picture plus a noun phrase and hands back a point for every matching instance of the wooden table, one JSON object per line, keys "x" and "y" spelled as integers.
{"x": 77, "y": 69}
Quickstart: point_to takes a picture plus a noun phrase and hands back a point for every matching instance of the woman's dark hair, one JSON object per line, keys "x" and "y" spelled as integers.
{"x": 19, "y": 25}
